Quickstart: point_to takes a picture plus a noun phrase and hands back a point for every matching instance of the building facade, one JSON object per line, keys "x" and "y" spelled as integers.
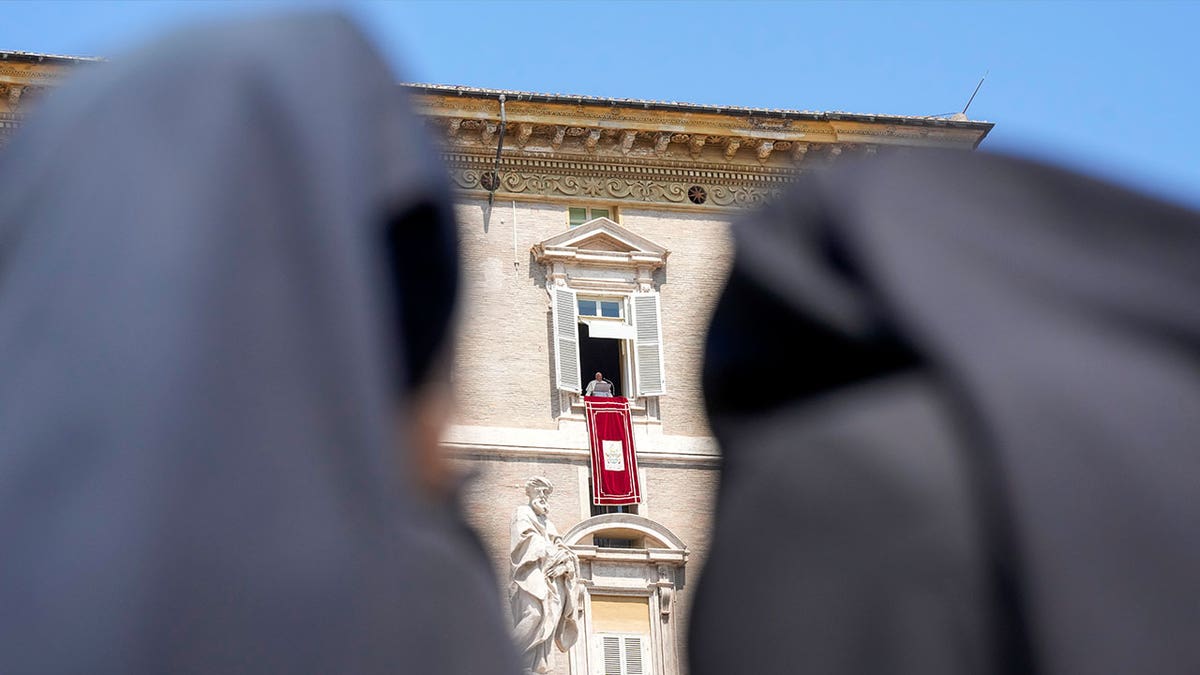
{"x": 595, "y": 238}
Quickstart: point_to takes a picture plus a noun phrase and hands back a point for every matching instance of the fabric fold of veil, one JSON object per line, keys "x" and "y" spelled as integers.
{"x": 958, "y": 400}
{"x": 224, "y": 261}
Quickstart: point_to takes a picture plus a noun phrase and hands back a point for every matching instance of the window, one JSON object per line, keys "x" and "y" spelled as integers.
{"x": 597, "y": 334}
{"x": 630, "y": 622}
{"x": 606, "y": 308}
{"x": 623, "y": 654}
{"x": 578, "y": 215}
{"x": 621, "y": 634}
{"x": 605, "y": 311}
{"x": 601, "y": 509}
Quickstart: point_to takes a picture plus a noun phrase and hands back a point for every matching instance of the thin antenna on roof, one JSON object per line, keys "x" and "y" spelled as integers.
{"x": 963, "y": 114}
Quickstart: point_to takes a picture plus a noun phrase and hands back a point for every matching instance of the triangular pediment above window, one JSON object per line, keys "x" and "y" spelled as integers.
{"x": 601, "y": 241}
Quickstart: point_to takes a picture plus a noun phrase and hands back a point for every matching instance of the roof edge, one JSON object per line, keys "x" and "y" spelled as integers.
{"x": 675, "y": 106}
{"x": 38, "y": 57}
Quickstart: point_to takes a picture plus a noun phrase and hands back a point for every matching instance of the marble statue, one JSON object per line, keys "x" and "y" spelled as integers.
{"x": 545, "y": 594}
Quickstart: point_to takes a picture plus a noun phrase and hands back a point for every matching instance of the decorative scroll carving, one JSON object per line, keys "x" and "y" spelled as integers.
{"x": 798, "y": 151}
{"x": 696, "y": 145}
{"x": 453, "y": 126}
{"x": 487, "y": 132}
{"x": 642, "y": 190}
{"x": 592, "y": 139}
{"x": 559, "y": 134}
{"x": 666, "y": 590}
{"x": 740, "y": 196}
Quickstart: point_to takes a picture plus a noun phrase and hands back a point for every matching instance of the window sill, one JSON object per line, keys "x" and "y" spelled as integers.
{"x": 637, "y": 406}
{"x": 639, "y": 409}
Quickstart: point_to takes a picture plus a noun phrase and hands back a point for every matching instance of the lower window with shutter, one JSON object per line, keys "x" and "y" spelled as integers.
{"x": 623, "y": 654}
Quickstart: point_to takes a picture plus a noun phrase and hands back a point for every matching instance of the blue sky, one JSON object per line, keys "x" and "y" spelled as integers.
{"x": 1110, "y": 88}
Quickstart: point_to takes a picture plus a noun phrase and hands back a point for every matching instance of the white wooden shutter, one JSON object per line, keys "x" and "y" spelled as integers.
{"x": 612, "y": 655}
{"x": 565, "y": 317}
{"x": 648, "y": 348}
{"x": 633, "y": 656}
{"x": 623, "y": 654}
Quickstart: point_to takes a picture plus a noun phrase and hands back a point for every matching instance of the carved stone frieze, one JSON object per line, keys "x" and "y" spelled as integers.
{"x": 664, "y": 182}
{"x": 641, "y": 190}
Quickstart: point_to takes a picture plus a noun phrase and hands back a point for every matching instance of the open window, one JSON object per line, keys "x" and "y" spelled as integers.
{"x": 606, "y": 310}
{"x": 605, "y": 339}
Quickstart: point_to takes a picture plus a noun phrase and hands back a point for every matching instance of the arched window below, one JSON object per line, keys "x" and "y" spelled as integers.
{"x": 629, "y": 618}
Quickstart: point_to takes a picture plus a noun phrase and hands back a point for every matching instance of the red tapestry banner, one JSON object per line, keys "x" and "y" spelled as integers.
{"x": 614, "y": 461}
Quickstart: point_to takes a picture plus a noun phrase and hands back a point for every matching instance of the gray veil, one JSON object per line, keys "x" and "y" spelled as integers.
{"x": 225, "y": 260}
{"x": 958, "y": 398}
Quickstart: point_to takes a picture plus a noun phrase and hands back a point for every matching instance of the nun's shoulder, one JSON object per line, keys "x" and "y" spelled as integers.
{"x": 883, "y": 456}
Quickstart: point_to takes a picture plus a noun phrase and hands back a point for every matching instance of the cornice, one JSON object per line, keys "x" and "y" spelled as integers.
{"x": 585, "y": 149}
{"x": 508, "y": 452}
{"x": 468, "y": 93}
{"x": 676, "y": 156}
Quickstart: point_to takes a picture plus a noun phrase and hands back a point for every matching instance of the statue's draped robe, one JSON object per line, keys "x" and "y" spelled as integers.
{"x": 543, "y": 607}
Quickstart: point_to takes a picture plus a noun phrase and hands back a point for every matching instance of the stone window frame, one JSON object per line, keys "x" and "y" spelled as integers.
{"x": 602, "y": 258}
{"x": 654, "y": 572}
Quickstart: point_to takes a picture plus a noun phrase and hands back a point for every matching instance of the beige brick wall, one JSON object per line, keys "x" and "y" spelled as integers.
{"x": 684, "y": 500}
{"x": 690, "y": 284}
{"x": 504, "y": 363}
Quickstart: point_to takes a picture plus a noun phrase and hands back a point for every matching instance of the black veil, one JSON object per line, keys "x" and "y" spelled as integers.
{"x": 225, "y": 261}
{"x": 959, "y": 403}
